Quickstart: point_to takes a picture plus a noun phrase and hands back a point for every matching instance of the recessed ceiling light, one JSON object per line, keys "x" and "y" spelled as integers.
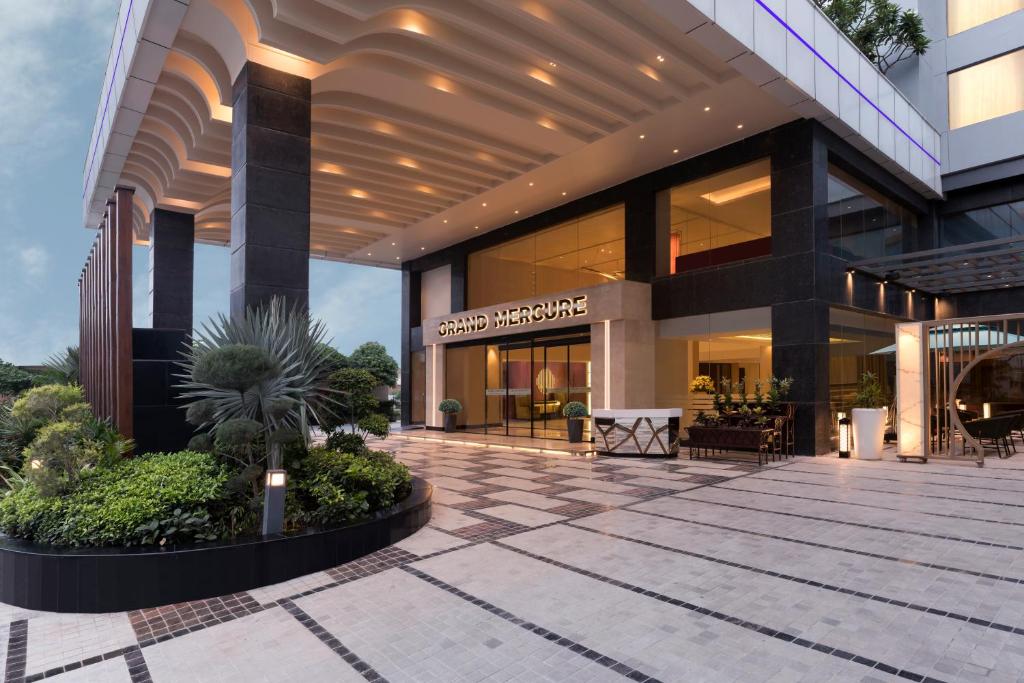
{"x": 739, "y": 125}
{"x": 642, "y": 136}
{"x": 660, "y": 58}
{"x": 531, "y": 184}
{"x": 445, "y": 220}
{"x": 476, "y": 227}
{"x": 392, "y": 244}
{"x": 369, "y": 253}
{"x": 563, "y": 194}
{"x": 675, "y": 151}
{"x": 707, "y": 108}
{"x": 397, "y": 258}
{"x": 423, "y": 248}
{"x": 516, "y": 211}
{"x": 552, "y": 65}
{"x": 484, "y": 204}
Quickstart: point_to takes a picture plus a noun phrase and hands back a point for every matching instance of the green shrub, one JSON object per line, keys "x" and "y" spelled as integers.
{"x": 46, "y": 403}
{"x": 201, "y": 443}
{"x": 13, "y": 380}
{"x": 345, "y": 442}
{"x": 450, "y": 405}
{"x": 574, "y": 409}
{"x": 333, "y": 487}
{"x": 375, "y": 425}
{"x": 116, "y": 505}
{"x": 234, "y": 366}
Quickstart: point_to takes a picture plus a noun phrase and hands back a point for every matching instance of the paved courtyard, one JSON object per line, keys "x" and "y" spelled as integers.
{"x": 540, "y": 566}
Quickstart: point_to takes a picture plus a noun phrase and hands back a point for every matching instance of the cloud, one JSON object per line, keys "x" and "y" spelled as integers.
{"x": 35, "y": 260}
{"x": 358, "y": 304}
{"x": 33, "y": 76}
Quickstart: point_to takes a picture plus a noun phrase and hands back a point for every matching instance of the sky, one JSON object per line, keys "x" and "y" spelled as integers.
{"x": 52, "y": 57}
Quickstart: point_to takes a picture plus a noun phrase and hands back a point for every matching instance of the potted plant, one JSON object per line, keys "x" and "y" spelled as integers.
{"x": 702, "y": 384}
{"x": 574, "y": 412}
{"x": 450, "y": 407}
{"x": 869, "y": 411}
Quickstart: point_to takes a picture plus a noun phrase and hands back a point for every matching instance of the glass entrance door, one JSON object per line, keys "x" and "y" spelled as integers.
{"x": 529, "y": 382}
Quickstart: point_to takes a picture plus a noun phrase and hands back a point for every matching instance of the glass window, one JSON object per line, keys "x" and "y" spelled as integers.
{"x": 417, "y": 393}
{"x": 722, "y": 218}
{"x": 965, "y": 14}
{"x": 586, "y": 251}
{"x": 863, "y": 223}
{"x": 986, "y": 90}
{"x": 978, "y": 225}
{"x": 858, "y": 343}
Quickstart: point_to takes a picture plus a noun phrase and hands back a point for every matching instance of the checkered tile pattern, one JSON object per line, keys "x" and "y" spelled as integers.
{"x": 542, "y": 566}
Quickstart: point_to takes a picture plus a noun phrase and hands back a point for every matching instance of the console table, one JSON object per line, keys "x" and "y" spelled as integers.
{"x": 648, "y": 432}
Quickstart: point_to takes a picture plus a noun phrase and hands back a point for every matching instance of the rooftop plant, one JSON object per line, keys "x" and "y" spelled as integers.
{"x": 886, "y": 33}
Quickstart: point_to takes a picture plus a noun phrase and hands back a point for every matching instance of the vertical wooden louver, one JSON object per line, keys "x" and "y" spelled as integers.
{"x": 105, "y": 320}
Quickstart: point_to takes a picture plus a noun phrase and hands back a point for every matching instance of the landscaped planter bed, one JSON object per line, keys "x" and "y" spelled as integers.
{"x": 116, "y": 579}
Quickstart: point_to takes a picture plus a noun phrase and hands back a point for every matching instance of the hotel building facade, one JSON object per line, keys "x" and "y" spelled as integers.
{"x": 588, "y": 201}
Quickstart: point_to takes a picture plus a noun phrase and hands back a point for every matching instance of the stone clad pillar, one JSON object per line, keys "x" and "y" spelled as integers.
{"x": 171, "y": 264}
{"x": 270, "y": 188}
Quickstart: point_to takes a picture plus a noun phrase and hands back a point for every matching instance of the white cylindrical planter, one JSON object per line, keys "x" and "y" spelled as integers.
{"x": 868, "y": 432}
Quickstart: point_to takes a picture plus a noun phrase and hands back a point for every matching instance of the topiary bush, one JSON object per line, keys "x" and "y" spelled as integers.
{"x": 333, "y": 488}
{"x": 450, "y": 405}
{"x": 46, "y": 403}
{"x": 574, "y": 409}
{"x": 234, "y": 366}
{"x": 375, "y": 425}
{"x": 13, "y": 380}
{"x": 345, "y": 442}
{"x": 116, "y": 505}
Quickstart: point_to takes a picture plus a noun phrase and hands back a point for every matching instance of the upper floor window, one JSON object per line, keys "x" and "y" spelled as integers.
{"x": 586, "y": 251}
{"x": 986, "y": 90}
{"x": 862, "y": 223}
{"x": 979, "y": 225}
{"x": 721, "y": 218}
{"x": 964, "y": 14}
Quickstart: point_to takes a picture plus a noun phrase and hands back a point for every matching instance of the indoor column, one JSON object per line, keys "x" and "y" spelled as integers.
{"x": 270, "y": 187}
{"x": 171, "y": 256}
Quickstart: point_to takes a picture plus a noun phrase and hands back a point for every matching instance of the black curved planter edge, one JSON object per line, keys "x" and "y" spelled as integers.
{"x": 42, "y": 577}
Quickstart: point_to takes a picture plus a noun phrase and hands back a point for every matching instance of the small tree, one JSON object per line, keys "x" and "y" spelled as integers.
{"x": 355, "y": 397}
{"x": 884, "y": 32}
{"x": 13, "y": 380}
{"x": 372, "y": 356}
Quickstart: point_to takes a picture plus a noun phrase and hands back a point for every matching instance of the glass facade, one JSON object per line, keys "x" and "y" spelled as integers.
{"x": 417, "y": 393}
{"x": 583, "y": 252}
{"x": 863, "y": 223}
{"x": 519, "y": 388}
{"x": 965, "y": 14}
{"x": 987, "y": 90}
{"x": 978, "y": 225}
{"x": 722, "y": 218}
{"x": 859, "y": 343}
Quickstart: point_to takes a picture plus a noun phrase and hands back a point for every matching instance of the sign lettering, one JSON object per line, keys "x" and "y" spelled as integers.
{"x": 555, "y": 309}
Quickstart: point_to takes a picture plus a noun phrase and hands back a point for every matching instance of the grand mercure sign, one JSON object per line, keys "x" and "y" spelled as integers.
{"x": 514, "y": 316}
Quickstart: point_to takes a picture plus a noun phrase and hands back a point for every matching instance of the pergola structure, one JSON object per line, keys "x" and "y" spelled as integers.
{"x": 956, "y": 269}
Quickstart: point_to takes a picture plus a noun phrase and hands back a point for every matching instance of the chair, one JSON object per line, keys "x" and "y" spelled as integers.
{"x": 992, "y": 431}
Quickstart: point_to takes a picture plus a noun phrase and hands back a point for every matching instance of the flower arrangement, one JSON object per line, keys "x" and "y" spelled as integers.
{"x": 450, "y": 405}
{"x": 702, "y": 384}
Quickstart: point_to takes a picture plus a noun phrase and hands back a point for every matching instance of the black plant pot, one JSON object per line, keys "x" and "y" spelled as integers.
{"x": 449, "y": 422}
{"x": 575, "y": 429}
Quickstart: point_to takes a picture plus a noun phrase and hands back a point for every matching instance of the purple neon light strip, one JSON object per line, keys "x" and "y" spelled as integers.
{"x": 110, "y": 89}
{"x": 857, "y": 90}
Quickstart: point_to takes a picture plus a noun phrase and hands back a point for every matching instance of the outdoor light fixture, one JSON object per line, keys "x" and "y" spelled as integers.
{"x": 986, "y": 410}
{"x": 844, "y": 436}
{"x": 273, "y": 501}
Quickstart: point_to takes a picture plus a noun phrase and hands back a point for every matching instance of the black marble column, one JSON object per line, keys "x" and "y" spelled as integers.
{"x": 800, "y": 325}
{"x": 410, "y": 320}
{"x": 270, "y": 186}
{"x": 171, "y": 259}
{"x": 642, "y": 235}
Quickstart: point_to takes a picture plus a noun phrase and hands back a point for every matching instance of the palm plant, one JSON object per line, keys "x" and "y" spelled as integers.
{"x": 271, "y": 366}
{"x": 65, "y": 365}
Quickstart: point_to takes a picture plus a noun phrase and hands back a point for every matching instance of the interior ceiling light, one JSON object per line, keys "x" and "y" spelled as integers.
{"x": 445, "y": 220}
{"x": 424, "y": 189}
{"x": 552, "y": 65}
{"x": 358, "y": 194}
{"x": 754, "y": 337}
{"x": 476, "y": 227}
{"x": 739, "y": 191}
{"x": 392, "y": 244}
{"x": 369, "y": 253}
{"x": 675, "y": 151}
{"x": 707, "y": 108}
{"x": 441, "y": 83}
{"x": 531, "y": 184}
{"x": 333, "y": 169}
{"x": 484, "y": 204}
{"x": 660, "y": 58}
{"x": 739, "y": 125}
{"x": 407, "y": 162}
{"x": 423, "y": 248}
{"x": 563, "y": 194}
{"x": 384, "y": 127}
{"x": 516, "y": 211}
{"x": 547, "y": 123}
{"x": 642, "y": 136}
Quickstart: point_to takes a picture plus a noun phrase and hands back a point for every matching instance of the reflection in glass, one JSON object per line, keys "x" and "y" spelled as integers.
{"x": 978, "y": 225}
{"x": 859, "y": 343}
{"x": 583, "y": 252}
{"x": 722, "y": 218}
{"x": 863, "y": 223}
{"x": 418, "y": 390}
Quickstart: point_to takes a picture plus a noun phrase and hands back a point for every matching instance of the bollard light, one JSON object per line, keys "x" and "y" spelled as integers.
{"x": 844, "y": 436}
{"x": 273, "y": 501}
{"x": 986, "y": 410}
